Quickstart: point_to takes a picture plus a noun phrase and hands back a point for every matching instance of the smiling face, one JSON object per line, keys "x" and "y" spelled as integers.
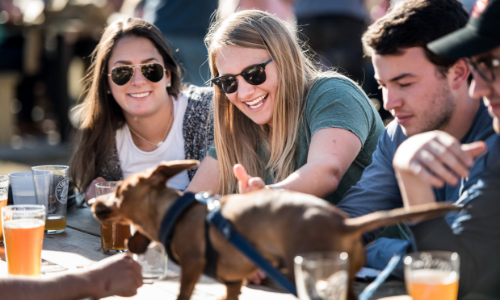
{"x": 489, "y": 91}
{"x": 139, "y": 97}
{"x": 414, "y": 91}
{"x": 255, "y": 101}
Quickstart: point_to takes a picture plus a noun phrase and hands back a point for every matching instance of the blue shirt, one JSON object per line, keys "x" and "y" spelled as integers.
{"x": 378, "y": 187}
{"x": 474, "y": 233}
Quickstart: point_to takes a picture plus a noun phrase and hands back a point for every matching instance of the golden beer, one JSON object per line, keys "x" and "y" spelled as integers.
{"x": 3, "y": 202}
{"x": 55, "y": 223}
{"x": 23, "y": 243}
{"x": 429, "y": 284}
{"x": 113, "y": 236}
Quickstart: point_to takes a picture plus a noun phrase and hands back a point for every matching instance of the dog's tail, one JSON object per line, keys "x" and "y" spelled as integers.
{"x": 390, "y": 217}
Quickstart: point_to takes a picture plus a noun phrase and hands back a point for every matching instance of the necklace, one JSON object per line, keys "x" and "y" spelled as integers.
{"x": 166, "y": 133}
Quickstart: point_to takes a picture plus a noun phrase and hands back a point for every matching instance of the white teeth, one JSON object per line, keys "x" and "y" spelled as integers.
{"x": 257, "y": 102}
{"x": 140, "y": 95}
{"x": 256, "y": 106}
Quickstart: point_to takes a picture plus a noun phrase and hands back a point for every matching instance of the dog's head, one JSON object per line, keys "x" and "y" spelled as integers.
{"x": 141, "y": 199}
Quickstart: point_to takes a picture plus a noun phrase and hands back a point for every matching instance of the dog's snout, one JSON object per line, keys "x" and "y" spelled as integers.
{"x": 101, "y": 210}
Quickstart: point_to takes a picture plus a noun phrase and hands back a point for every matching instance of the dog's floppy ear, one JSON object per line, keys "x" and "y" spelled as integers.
{"x": 166, "y": 170}
{"x": 138, "y": 243}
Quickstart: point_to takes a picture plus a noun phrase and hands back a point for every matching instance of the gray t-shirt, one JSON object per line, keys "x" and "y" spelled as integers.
{"x": 334, "y": 102}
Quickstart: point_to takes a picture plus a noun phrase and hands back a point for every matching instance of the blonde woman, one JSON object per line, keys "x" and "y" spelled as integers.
{"x": 136, "y": 112}
{"x": 285, "y": 122}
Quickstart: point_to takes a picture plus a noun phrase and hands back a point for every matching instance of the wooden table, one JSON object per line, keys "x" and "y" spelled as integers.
{"x": 80, "y": 245}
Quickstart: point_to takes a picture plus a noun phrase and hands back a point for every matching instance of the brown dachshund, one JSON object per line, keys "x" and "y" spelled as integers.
{"x": 279, "y": 224}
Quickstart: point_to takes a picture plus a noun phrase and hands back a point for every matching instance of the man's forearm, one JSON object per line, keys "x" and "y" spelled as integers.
{"x": 65, "y": 287}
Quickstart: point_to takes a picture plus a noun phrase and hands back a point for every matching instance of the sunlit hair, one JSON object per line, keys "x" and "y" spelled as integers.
{"x": 237, "y": 137}
{"x": 99, "y": 114}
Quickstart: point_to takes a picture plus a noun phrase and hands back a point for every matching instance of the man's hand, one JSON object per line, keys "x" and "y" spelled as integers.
{"x": 246, "y": 183}
{"x": 117, "y": 275}
{"x": 436, "y": 158}
{"x": 91, "y": 189}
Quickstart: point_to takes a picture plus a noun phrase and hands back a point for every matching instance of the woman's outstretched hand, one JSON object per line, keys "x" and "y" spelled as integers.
{"x": 247, "y": 184}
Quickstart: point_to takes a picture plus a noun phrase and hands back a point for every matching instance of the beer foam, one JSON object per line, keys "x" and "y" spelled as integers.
{"x": 433, "y": 276}
{"x": 23, "y": 224}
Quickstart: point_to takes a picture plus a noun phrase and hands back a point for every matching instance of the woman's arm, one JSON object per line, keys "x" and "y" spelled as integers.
{"x": 331, "y": 152}
{"x": 206, "y": 178}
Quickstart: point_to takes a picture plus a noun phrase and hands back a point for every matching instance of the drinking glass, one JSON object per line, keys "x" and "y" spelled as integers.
{"x": 23, "y": 227}
{"x": 153, "y": 261}
{"x": 113, "y": 235}
{"x": 23, "y": 191}
{"x": 4, "y": 193}
{"x": 51, "y": 189}
{"x": 432, "y": 275}
{"x": 322, "y": 275}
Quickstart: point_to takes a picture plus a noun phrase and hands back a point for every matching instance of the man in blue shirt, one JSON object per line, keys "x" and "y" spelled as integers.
{"x": 422, "y": 163}
{"x": 424, "y": 92}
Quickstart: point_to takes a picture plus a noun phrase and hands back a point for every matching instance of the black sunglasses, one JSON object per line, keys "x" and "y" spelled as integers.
{"x": 486, "y": 68}
{"x": 122, "y": 74}
{"x": 254, "y": 74}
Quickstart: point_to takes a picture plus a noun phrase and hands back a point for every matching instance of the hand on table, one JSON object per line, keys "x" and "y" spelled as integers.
{"x": 117, "y": 275}
{"x": 246, "y": 183}
{"x": 436, "y": 158}
{"x": 90, "y": 194}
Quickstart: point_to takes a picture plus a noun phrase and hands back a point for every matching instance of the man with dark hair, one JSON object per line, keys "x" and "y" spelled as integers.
{"x": 474, "y": 232}
{"x": 424, "y": 92}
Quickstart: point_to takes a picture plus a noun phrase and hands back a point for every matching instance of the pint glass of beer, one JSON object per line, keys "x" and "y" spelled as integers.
{"x": 4, "y": 192}
{"x": 23, "y": 227}
{"x": 51, "y": 189}
{"x": 113, "y": 235}
{"x": 432, "y": 275}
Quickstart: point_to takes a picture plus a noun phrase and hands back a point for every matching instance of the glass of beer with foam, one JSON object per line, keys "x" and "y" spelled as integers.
{"x": 432, "y": 275}
{"x": 4, "y": 193}
{"x": 113, "y": 235}
{"x": 23, "y": 227}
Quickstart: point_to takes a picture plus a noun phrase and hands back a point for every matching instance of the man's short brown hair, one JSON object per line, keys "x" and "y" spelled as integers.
{"x": 415, "y": 23}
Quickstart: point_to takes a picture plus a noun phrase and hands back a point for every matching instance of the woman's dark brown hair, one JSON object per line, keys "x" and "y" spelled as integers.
{"x": 99, "y": 114}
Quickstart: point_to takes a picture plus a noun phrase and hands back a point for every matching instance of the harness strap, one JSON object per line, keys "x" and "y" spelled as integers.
{"x": 215, "y": 218}
{"x": 167, "y": 226}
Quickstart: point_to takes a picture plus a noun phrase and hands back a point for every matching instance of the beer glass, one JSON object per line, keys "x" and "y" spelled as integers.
{"x": 432, "y": 275}
{"x": 51, "y": 189}
{"x": 322, "y": 275}
{"x": 113, "y": 235}
{"x": 4, "y": 193}
{"x": 23, "y": 227}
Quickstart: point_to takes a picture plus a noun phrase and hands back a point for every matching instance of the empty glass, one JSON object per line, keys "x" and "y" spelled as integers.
{"x": 23, "y": 191}
{"x": 322, "y": 275}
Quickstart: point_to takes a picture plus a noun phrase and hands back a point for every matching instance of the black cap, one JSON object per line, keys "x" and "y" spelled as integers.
{"x": 481, "y": 34}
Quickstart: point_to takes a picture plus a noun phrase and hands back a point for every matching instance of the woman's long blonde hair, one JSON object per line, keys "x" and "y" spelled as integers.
{"x": 100, "y": 115}
{"x": 238, "y": 138}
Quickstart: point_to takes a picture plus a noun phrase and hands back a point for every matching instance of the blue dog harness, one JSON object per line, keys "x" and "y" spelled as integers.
{"x": 225, "y": 227}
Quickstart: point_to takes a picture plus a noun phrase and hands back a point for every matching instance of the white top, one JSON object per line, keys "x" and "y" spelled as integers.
{"x": 132, "y": 159}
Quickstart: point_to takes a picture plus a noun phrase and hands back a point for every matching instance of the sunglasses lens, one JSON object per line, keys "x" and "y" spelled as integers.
{"x": 121, "y": 75}
{"x": 152, "y": 72}
{"x": 228, "y": 84}
{"x": 255, "y": 75}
